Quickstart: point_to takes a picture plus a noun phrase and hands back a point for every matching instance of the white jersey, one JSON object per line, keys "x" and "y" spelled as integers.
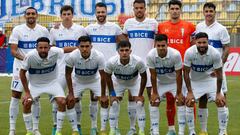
{"x": 165, "y": 67}
{"x": 217, "y": 34}
{"x": 103, "y": 37}
{"x": 42, "y": 72}
{"x": 64, "y": 37}
{"x": 125, "y": 73}
{"x": 141, "y": 35}
{"x": 26, "y": 39}
{"x": 86, "y": 69}
{"x": 202, "y": 65}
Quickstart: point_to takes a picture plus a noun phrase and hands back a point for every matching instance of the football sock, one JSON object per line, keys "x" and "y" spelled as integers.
{"x": 36, "y": 109}
{"x": 93, "y": 110}
{"x": 13, "y": 112}
{"x": 203, "y": 118}
{"x": 190, "y": 119}
{"x": 154, "y": 118}
{"x": 113, "y": 114}
{"x": 28, "y": 121}
{"x": 132, "y": 114}
{"x": 60, "y": 119}
{"x": 222, "y": 118}
{"x": 104, "y": 118}
{"x": 54, "y": 112}
{"x": 181, "y": 112}
{"x": 170, "y": 109}
{"x": 141, "y": 115}
{"x": 78, "y": 108}
{"x": 72, "y": 117}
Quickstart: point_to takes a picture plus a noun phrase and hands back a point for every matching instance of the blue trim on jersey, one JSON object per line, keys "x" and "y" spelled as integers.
{"x": 66, "y": 43}
{"x": 215, "y": 43}
{"x": 27, "y": 44}
{"x": 85, "y": 72}
{"x": 141, "y": 34}
{"x": 164, "y": 70}
{"x": 201, "y": 68}
{"x": 42, "y": 71}
{"x": 126, "y": 77}
{"x": 103, "y": 38}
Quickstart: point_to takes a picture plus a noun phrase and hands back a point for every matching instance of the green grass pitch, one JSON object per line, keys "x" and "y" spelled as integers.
{"x": 46, "y": 117}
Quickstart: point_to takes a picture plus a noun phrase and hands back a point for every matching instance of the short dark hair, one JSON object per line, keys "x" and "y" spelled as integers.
{"x": 140, "y": 1}
{"x": 175, "y": 2}
{"x": 100, "y": 4}
{"x": 201, "y": 35}
{"x": 30, "y": 8}
{"x": 161, "y": 37}
{"x": 43, "y": 39}
{"x": 209, "y": 5}
{"x": 123, "y": 43}
{"x": 84, "y": 39}
{"x": 66, "y": 8}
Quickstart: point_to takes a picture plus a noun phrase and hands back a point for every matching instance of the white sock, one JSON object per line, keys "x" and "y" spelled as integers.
{"x": 27, "y": 117}
{"x": 104, "y": 118}
{"x": 13, "y": 112}
{"x": 132, "y": 114}
{"x": 181, "y": 112}
{"x": 36, "y": 110}
{"x": 78, "y": 108}
{"x": 141, "y": 115}
{"x": 203, "y": 118}
{"x": 154, "y": 118}
{"x": 190, "y": 119}
{"x": 222, "y": 118}
{"x": 113, "y": 114}
{"x": 93, "y": 110}
{"x": 60, "y": 119}
{"x": 54, "y": 112}
{"x": 72, "y": 117}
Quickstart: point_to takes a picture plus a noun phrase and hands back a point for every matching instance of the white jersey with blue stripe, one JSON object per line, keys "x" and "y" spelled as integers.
{"x": 103, "y": 37}
{"x": 127, "y": 74}
{"x": 165, "y": 67}
{"x": 141, "y": 35}
{"x": 42, "y": 71}
{"x": 66, "y": 37}
{"x": 86, "y": 70}
{"x": 202, "y": 65}
{"x": 26, "y": 39}
{"x": 217, "y": 34}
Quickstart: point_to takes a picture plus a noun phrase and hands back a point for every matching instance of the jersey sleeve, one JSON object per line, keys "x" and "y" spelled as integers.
{"x": 69, "y": 60}
{"x": 59, "y": 51}
{"x": 156, "y": 26}
{"x": 178, "y": 61}
{"x": 192, "y": 29}
{"x": 118, "y": 30}
{"x": 224, "y": 36}
{"x": 187, "y": 58}
{"x": 150, "y": 62}
{"x": 141, "y": 66}
{"x": 109, "y": 67}
{"x": 87, "y": 30}
{"x": 14, "y": 37}
{"x": 25, "y": 65}
{"x": 217, "y": 61}
{"x": 52, "y": 39}
{"x": 101, "y": 64}
{"x": 125, "y": 27}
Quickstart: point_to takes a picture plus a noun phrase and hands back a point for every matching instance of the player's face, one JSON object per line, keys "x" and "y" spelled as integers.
{"x": 139, "y": 10}
{"x": 67, "y": 16}
{"x": 209, "y": 14}
{"x": 202, "y": 45}
{"x": 174, "y": 11}
{"x": 101, "y": 14}
{"x": 31, "y": 16}
{"x": 124, "y": 53}
{"x": 161, "y": 47}
{"x": 43, "y": 48}
{"x": 85, "y": 49}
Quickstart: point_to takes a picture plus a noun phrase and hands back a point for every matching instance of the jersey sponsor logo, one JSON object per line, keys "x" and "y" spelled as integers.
{"x": 232, "y": 65}
{"x": 215, "y": 43}
{"x": 201, "y": 68}
{"x": 66, "y": 43}
{"x": 27, "y": 44}
{"x": 175, "y": 41}
{"x": 103, "y": 38}
{"x": 126, "y": 77}
{"x": 85, "y": 72}
{"x": 164, "y": 70}
{"x": 141, "y": 34}
{"x": 43, "y": 70}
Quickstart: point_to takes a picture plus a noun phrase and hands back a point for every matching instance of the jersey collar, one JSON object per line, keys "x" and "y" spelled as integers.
{"x": 130, "y": 61}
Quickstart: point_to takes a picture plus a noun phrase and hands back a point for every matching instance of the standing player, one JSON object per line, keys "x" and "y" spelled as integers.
{"x": 22, "y": 40}
{"x": 165, "y": 65}
{"x": 86, "y": 62}
{"x": 219, "y": 39}
{"x": 104, "y": 36}
{"x": 202, "y": 60}
{"x": 66, "y": 35}
{"x": 126, "y": 68}
{"x": 179, "y": 34}
{"x": 41, "y": 67}
{"x": 140, "y": 32}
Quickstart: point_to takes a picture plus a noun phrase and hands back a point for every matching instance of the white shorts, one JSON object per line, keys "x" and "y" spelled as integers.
{"x": 149, "y": 83}
{"x": 79, "y": 88}
{"x": 121, "y": 87}
{"x": 62, "y": 80}
{"x": 53, "y": 88}
{"x": 164, "y": 88}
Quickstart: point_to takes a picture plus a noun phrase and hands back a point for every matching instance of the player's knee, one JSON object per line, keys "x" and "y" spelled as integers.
{"x": 219, "y": 104}
{"x": 61, "y": 102}
{"x": 155, "y": 103}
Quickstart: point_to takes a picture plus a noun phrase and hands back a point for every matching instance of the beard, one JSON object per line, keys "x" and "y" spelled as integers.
{"x": 202, "y": 50}
{"x": 101, "y": 19}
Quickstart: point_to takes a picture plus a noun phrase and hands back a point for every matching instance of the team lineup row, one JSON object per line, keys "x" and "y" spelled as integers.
{"x": 137, "y": 38}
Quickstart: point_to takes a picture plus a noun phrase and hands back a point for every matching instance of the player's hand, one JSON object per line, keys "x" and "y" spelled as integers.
{"x": 190, "y": 100}
{"x": 180, "y": 100}
{"x": 56, "y": 25}
{"x": 213, "y": 74}
{"x": 27, "y": 99}
{"x": 112, "y": 99}
{"x": 70, "y": 100}
{"x": 139, "y": 98}
{"x": 155, "y": 99}
{"x": 104, "y": 101}
{"x": 220, "y": 100}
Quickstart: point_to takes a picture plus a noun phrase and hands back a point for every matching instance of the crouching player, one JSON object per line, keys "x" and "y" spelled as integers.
{"x": 41, "y": 65}
{"x": 203, "y": 60}
{"x": 165, "y": 66}
{"x": 126, "y": 69}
